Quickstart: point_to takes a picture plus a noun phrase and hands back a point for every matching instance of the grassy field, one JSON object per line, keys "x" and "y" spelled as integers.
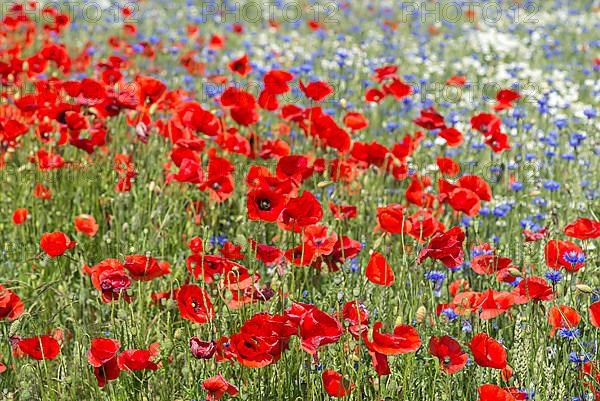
{"x": 107, "y": 126}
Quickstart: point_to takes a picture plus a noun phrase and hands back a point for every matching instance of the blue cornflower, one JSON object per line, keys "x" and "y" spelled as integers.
{"x": 529, "y": 393}
{"x": 435, "y": 275}
{"x": 574, "y": 257}
{"x": 354, "y": 265}
{"x": 589, "y": 113}
{"x": 551, "y": 185}
{"x": 578, "y": 359}
{"x": 218, "y": 240}
{"x": 554, "y": 276}
{"x": 516, "y": 282}
{"x": 561, "y": 123}
{"x": 450, "y": 314}
{"x": 569, "y": 333}
{"x": 516, "y": 186}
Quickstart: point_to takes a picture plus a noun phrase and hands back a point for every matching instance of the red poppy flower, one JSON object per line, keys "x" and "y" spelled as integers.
{"x": 219, "y": 183}
{"x": 452, "y": 136}
{"x": 206, "y": 266}
{"x": 505, "y": 97}
{"x": 445, "y": 247}
{"x": 217, "y": 386}
{"x": 531, "y": 236}
{"x": 108, "y": 371}
{"x": 242, "y": 106}
{"x": 405, "y": 339}
{"x": 113, "y": 283}
{"x": 343, "y": 211}
{"x": 240, "y": 66}
{"x": 448, "y": 351}
{"x": 448, "y": 166}
{"x": 357, "y": 315}
{"x": 301, "y": 255}
{"x": 86, "y": 224}
{"x": 20, "y": 216}
{"x": 11, "y": 306}
{"x": 42, "y": 192}
{"x": 391, "y": 219}
{"x": 374, "y": 95}
{"x": 491, "y": 392}
{"x": 415, "y": 193}
{"x": 380, "y": 363}
{"x": 355, "y": 121}
{"x": 486, "y": 123}
{"x": 497, "y": 141}
{"x": 267, "y": 254}
{"x": 384, "y": 72}
{"x": 345, "y": 248}
{"x": 424, "y": 225}
{"x": 466, "y": 201}
{"x": 194, "y": 304}
{"x": 301, "y": 212}
{"x": 193, "y": 116}
{"x": 264, "y": 204}
{"x": 397, "y": 88}
{"x": 379, "y": 271}
{"x": 189, "y": 171}
{"x": 145, "y": 268}
{"x": 456, "y": 80}
{"x": 202, "y": 349}
{"x": 370, "y": 153}
{"x": 494, "y": 303}
{"x": 56, "y": 243}
{"x": 102, "y": 350}
{"x": 430, "y": 119}
{"x": 261, "y": 340}
{"x": 40, "y": 347}
{"x": 316, "y": 91}
{"x": 138, "y": 359}
{"x": 110, "y": 279}
{"x": 317, "y": 329}
{"x": 583, "y": 229}
{"x": 489, "y": 264}
{"x": 276, "y": 81}
{"x": 533, "y": 288}
{"x": 595, "y": 314}
{"x": 196, "y": 245}
{"x": 477, "y": 185}
{"x": 320, "y": 239}
{"x": 231, "y": 251}
{"x": 488, "y": 352}
{"x": 293, "y": 167}
{"x": 335, "y": 384}
{"x": 564, "y": 254}
{"x": 562, "y": 317}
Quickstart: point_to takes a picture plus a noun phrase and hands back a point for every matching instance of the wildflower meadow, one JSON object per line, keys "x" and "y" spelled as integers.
{"x": 300, "y": 200}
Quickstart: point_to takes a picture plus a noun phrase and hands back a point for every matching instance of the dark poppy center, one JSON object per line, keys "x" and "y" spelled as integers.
{"x": 264, "y": 204}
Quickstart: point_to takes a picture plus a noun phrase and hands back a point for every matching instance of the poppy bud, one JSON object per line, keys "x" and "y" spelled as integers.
{"x": 586, "y": 289}
{"x": 421, "y": 314}
{"x": 513, "y": 271}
